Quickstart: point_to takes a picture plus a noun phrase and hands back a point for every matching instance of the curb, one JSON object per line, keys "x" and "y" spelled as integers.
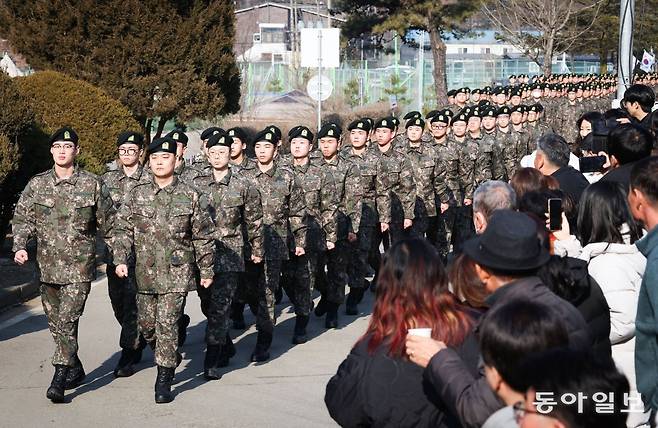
{"x": 16, "y": 294}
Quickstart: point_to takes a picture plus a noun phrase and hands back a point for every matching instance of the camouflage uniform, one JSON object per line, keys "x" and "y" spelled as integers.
{"x": 186, "y": 173}
{"x": 171, "y": 233}
{"x": 537, "y": 130}
{"x": 396, "y": 193}
{"x": 63, "y": 215}
{"x": 505, "y": 155}
{"x": 123, "y": 291}
{"x": 462, "y": 162}
{"x": 486, "y": 158}
{"x": 569, "y": 114}
{"x": 423, "y": 163}
{"x": 233, "y": 204}
{"x": 283, "y": 207}
{"x": 522, "y": 144}
{"x": 441, "y": 232}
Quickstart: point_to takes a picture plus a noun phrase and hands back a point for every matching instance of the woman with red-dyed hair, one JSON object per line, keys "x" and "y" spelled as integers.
{"x": 377, "y": 385}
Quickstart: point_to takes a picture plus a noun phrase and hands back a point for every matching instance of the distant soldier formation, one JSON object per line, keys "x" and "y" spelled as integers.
{"x": 308, "y": 213}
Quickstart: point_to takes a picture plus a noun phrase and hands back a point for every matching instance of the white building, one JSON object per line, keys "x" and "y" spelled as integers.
{"x": 10, "y": 63}
{"x": 483, "y": 42}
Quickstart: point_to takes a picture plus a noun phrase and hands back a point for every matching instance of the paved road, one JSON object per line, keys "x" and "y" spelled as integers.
{"x": 287, "y": 391}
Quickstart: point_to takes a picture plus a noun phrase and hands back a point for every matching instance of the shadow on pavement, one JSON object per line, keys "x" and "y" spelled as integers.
{"x": 29, "y": 325}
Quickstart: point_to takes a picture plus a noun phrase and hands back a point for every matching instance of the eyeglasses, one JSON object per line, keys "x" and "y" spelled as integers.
{"x": 65, "y": 147}
{"x": 439, "y": 126}
{"x": 520, "y": 412}
{"x": 128, "y": 151}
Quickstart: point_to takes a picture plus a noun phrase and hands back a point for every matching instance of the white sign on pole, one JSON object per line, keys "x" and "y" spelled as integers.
{"x": 329, "y": 51}
{"x": 319, "y": 88}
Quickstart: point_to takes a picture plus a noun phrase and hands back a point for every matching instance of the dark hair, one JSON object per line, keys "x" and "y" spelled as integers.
{"x": 510, "y": 332}
{"x": 526, "y": 180}
{"x": 629, "y": 143}
{"x": 564, "y": 371}
{"x": 613, "y": 115}
{"x": 641, "y": 94}
{"x": 644, "y": 177}
{"x": 412, "y": 291}
{"x": 537, "y": 203}
{"x": 602, "y": 212}
{"x": 558, "y": 276}
{"x": 466, "y": 284}
{"x": 555, "y": 148}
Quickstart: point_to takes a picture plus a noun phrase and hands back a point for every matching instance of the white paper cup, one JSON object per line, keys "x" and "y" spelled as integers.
{"x": 422, "y": 332}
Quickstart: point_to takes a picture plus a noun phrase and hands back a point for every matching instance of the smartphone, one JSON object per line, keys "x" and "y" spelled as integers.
{"x": 555, "y": 214}
{"x": 592, "y": 163}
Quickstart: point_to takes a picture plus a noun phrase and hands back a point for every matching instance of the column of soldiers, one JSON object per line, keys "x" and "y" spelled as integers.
{"x": 238, "y": 230}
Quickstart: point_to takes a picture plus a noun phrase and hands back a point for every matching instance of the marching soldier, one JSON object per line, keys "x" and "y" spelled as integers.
{"x": 171, "y": 232}
{"x": 62, "y": 209}
{"x": 123, "y": 291}
{"x": 200, "y": 161}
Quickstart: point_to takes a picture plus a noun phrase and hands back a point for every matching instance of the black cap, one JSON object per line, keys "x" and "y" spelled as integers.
{"x": 219, "y": 139}
{"x": 412, "y": 115}
{"x": 509, "y": 243}
{"x": 452, "y": 93}
{"x": 462, "y": 116}
{"x": 267, "y": 135}
{"x": 329, "y": 130}
{"x": 130, "y": 137}
{"x": 164, "y": 144}
{"x": 300, "y": 132}
{"x": 503, "y": 110}
{"x": 65, "y": 133}
{"x": 415, "y": 122}
{"x": 488, "y": 111}
{"x": 431, "y": 114}
{"x": 237, "y": 133}
{"x": 517, "y": 109}
{"x": 498, "y": 90}
{"x": 207, "y": 133}
{"x": 538, "y": 108}
{"x": 385, "y": 122}
{"x": 178, "y": 136}
{"x": 276, "y": 130}
{"x": 442, "y": 116}
{"x": 362, "y": 124}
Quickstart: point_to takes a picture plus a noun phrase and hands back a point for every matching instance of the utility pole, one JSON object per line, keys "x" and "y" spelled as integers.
{"x": 625, "y": 64}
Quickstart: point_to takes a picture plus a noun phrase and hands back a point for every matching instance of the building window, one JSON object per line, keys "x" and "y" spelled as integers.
{"x": 463, "y": 50}
{"x": 485, "y": 50}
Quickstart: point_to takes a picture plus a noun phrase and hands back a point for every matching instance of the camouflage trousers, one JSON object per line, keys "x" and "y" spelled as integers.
{"x": 217, "y": 299}
{"x": 337, "y": 265}
{"x": 157, "y": 315}
{"x": 262, "y": 281}
{"x": 360, "y": 257}
{"x": 439, "y": 232}
{"x": 123, "y": 296}
{"x": 63, "y": 305}
{"x": 463, "y": 228}
{"x": 300, "y": 276}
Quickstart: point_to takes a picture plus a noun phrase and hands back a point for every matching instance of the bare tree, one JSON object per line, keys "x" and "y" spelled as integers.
{"x": 540, "y": 28}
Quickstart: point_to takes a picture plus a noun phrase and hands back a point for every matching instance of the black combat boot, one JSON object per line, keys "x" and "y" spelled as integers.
{"x": 299, "y": 336}
{"x": 262, "y": 351}
{"x": 210, "y": 366}
{"x": 183, "y": 322}
{"x": 237, "y": 316}
{"x": 76, "y": 375}
{"x": 228, "y": 352}
{"x": 321, "y": 308}
{"x": 163, "y": 385}
{"x": 353, "y": 300}
{"x": 55, "y": 392}
{"x": 139, "y": 350}
{"x": 331, "y": 321}
{"x": 125, "y": 366}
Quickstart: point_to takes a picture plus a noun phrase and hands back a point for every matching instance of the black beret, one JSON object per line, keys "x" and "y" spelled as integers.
{"x": 537, "y": 108}
{"x": 130, "y": 137}
{"x": 503, "y": 110}
{"x": 65, "y": 133}
{"x": 178, "y": 136}
{"x": 463, "y": 90}
{"x": 498, "y": 90}
{"x": 474, "y": 112}
{"x": 164, "y": 144}
{"x": 442, "y": 117}
{"x": 431, "y": 114}
{"x": 476, "y": 91}
{"x": 329, "y": 130}
{"x": 396, "y": 121}
{"x": 219, "y": 139}
{"x": 362, "y": 124}
{"x": 484, "y": 103}
{"x": 415, "y": 122}
{"x": 488, "y": 111}
{"x": 238, "y": 133}
{"x": 211, "y": 131}
{"x": 462, "y": 116}
{"x": 451, "y": 93}
{"x": 412, "y": 115}
{"x": 268, "y": 136}
{"x": 300, "y": 132}
{"x": 386, "y": 122}
{"x": 276, "y": 130}
{"x": 516, "y": 92}
{"x": 517, "y": 109}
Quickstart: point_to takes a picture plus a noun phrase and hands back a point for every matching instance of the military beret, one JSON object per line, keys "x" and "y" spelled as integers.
{"x": 130, "y": 137}
{"x": 476, "y": 91}
{"x": 300, "y": 132}
{"x": 537, "y": 108}
{"x": 516, "y": 92}
{"x": 237, "y": 133}
{"x": 268, "y": 136}
{"x": 483, "y": 103}
{"x": 474, "y": 112}
{"x": 462, "y": 116}
{"x": 503, "y": 110}
{"x": 517, "y": 109}
{"x": 386, "y": 122}
{"x": 164, "y": 144}
{"x": 415, "y": 122}
{"x": 207, "y": 133}
{"x": 362, "y": 124}
{"x": 219, "y": 139}
{"x": 512, "y": 76}
{"x": 65, "y": 133}
{"x": 396, "y": 121}
{"x": 276, "y": 130}
{"x": 463, "y": 90}
{"x": 488, "y": 111}
{"x": 452, "y": 93}
{"x": 178, "y": 136}
{"x": 412, "y": 115}
{"x": 442, "y": 117}
{"x": 431, "y": 114}
{"x": 487, "y": 90}
{"x": 571, "y": 88}
{"x": 449, "y": 113}
{"x": 498, "y": 90}
{"x": 330, "y": 130}
{"x": 370, "y": 121}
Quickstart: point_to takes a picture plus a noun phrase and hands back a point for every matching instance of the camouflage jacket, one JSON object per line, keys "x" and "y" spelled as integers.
{"x": 444, "y": 194}
{"x": 186, "y": 173}
{"x": 246, "y": 164}
{"x": 569, "y": 114}
{"x": 522, "y": 143}
{"x": 119, "y": 184}
{"x": 171, "y": 232}
{"x": 366, "y": 167}
{"x": 505, "y": 151}
{"x": 536, "y": 130}
{"x": 462, "y": 163}
{"x": 64, "y": 216}
{"x": 344, "y": 183}
{"x": 486, "y": 158}
{"x": 233, "y": 204}
{"x": 283, "y": 206}
{"x": 320, "y": 204}
{"x": 424, "y": 167}
{"x": 396, "y": 193}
